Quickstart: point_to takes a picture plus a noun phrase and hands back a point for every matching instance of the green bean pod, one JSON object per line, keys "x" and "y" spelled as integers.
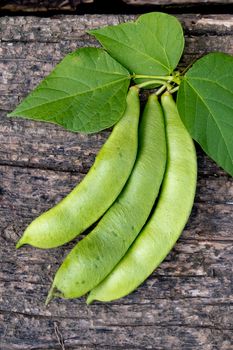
{"x": 168, "y": 219}
{"x": 95, "y": 256}
{"x": 89, "y": 200}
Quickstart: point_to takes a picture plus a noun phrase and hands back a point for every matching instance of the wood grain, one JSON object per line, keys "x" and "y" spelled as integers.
{"x": 181, "y": 3}
{"x": 41, "y": 6}
{"x": 188, "y": 301}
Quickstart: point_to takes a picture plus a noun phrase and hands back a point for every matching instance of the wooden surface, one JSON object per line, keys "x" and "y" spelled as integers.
{"x": 41, "y": 6}
{"x": 178, "y": 2}
{"x": 188, "y": 301}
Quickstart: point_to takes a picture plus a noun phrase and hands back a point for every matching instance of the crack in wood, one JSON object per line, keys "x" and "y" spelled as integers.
{"x": 59, "y": 336}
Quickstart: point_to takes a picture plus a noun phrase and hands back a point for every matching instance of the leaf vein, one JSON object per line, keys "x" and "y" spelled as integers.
{"x": 74, "y": 95}
{"x": 211, "y": 114}
{"x": 150, "y": 58}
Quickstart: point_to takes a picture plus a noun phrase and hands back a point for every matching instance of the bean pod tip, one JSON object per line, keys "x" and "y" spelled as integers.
{"x": 19, "y": 244}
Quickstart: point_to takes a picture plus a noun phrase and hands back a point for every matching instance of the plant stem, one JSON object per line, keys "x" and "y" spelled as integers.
{"x": 169, "y": 78}
{"x": 139, "y": 76}
{"x": 159, "y": 91}
{"x": 157, "y": 81}
{"x": 174, "y": 89}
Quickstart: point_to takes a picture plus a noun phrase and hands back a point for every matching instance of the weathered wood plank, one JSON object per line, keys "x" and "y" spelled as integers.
{"x": 196, "y": 273}
{"x": 19, "y": 183}
{"x": 88, "y": 336}
{"x": 41, "y": 29}
{"x": 28, "y": 143}
{"x": 30, "y": 6}
{"x": 182, "y": 3}
{"x": 28, "y": 192}
{"x": 41, "y": 6}
{"x": 192, "y": 304}
{"x": 22, "y": 71}
{"x": 207, "y": 263}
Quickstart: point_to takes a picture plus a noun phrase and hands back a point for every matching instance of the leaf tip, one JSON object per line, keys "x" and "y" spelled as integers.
{"x": 15, "y": 112}
{"x": 50, "y": 296}
{"x": 11, "y": 114}
{"x": 90, "y": 31}
{"x": 19, "y": 244}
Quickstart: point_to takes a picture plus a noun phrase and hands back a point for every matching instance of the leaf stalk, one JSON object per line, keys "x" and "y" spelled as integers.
{"x": 156, "y": 81}
{"x": 160, "y": 77}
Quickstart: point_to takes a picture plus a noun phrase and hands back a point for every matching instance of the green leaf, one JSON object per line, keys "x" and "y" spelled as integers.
{"x": 85, "y": 92}
{"x": 152, "y": 45}
{"x": 205, "y": 103}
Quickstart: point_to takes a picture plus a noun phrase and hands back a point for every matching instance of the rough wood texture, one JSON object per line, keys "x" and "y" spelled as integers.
{"x": 177, "y": 2}
{"x": 188, "y": 302}
{"x": 41, "y": 6}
